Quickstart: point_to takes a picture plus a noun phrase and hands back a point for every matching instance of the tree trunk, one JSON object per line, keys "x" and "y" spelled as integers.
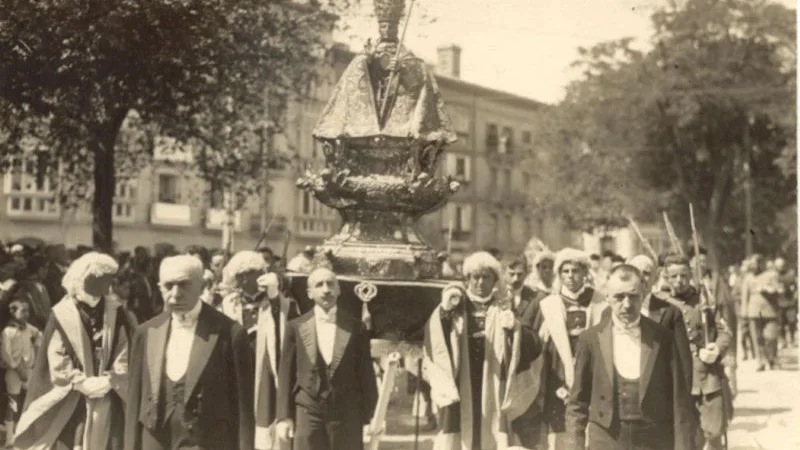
{"x": 104, "y": 182}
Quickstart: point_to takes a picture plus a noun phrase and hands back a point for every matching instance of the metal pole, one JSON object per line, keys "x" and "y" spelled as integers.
{"x": 748, "y": 186}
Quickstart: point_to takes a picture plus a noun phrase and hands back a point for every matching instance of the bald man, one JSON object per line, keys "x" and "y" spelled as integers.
{"x": 191, "y": 372}
{"x": 327, "y": 390}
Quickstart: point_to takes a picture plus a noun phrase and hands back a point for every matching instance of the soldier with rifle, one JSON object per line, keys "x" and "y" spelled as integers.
{"x": 709, "y": 340}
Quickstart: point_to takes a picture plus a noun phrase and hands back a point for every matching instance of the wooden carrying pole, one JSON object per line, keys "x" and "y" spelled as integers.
{"x": 387, "y": 385}
{"x": 644, "y": 242}
{"x": 698, "y": 279}
{"x": 676, "y": 243}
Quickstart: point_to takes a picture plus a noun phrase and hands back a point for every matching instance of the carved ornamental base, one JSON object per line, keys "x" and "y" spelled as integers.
{"x": 378, "y": 245}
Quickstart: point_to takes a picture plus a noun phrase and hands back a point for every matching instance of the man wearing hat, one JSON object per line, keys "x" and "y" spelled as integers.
{"x": 563, "y": 315}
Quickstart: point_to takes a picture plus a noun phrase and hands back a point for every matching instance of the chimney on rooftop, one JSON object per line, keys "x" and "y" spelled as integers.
{"x": 449, "y": 63}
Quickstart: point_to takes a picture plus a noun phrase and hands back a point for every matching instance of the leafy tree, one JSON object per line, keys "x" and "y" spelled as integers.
{"x": 71, "y": 73}
{"x": 715, "y": 91}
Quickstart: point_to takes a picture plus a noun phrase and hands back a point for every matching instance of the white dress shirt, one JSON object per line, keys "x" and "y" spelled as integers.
{"x": 326, "y": 332}
{"x": 627, "y": 348}
{"x": 646, "y": 306}
{"x": 179, "y": 343}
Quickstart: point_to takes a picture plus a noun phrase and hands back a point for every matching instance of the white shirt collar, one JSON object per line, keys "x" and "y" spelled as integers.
{"x": 327, "y": 317}
{"x": 623, "y": 327}
{"x": 189, "y": 318}
{"x": 480, "y": 300}
{"x": 565, "y": 292}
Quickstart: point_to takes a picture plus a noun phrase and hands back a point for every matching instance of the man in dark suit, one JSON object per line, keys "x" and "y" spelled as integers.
{"x": 327, "y": 389}
{"x": 629, "y": 388}
{"x": 529, "y": 427}
{"x": 658, "y": 308}
{"x": 191, "y": 372}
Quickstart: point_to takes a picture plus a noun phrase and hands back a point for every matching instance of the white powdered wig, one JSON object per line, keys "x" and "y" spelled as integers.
{"x": 242, "y": 262}
{"x": 643, "y": 263}
{"x": 91, "y": 264}
{"x": 568, "y": 255}
{"x": 480, "y": 261}
{"x": 571, "y": 255}
{"x": 545, "y": 255}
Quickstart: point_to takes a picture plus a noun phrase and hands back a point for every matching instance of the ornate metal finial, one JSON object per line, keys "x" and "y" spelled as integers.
{"x": 389, "y": 10}
{"x": 366, "y": 291}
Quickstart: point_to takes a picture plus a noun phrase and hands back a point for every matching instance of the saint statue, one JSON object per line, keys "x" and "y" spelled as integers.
{"x": 386, "y": 91}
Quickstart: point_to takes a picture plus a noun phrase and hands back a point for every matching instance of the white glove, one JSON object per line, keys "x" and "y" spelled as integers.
{"x": 285, "y": 429}
{"x": 451, "y": 297}
{"x": 709, "y": 354}
{"x": 269, "y": 283}
{"x": 371, "y": 433}
{"x": 507, "y": 320}
{"x": 94, "y": 387}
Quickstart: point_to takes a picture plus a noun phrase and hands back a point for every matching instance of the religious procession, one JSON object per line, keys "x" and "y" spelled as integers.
{"x": 377, "y": 336}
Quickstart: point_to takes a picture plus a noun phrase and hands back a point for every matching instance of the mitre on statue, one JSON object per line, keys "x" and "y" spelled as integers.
{"x": 371, "y": 99}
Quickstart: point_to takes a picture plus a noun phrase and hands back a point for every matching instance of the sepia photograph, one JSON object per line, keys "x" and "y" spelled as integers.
{"x": 399, "y": 225}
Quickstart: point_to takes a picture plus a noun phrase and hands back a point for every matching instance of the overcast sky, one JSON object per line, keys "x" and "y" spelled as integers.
{"x": 520, "y": 46}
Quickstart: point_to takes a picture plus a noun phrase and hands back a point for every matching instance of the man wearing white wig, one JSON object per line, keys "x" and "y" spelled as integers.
{"x": 240, "y": 277}
{"x": 274, "y": 312}
{"x": 78, "y": 388}
{"x": 563, "y": 315}
{"x": 477, "y": 359}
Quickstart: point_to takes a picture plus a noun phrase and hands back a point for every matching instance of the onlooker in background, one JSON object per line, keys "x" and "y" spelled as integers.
{"x": 142, "y": 299}
{"x": 594, "y": 268}
{"x": 30, "y": 286}
{"x": 18, "y": 253}
{"x": 56, "y": 268}
{"x": 545, "y": 274}
{"x": 617, "y": 260}
{"x": 217, "y": 264}
{"x": 21, "y": 342}
{"x": 201, "y": 253}
{"x": 268, "y": 255}
{"x": 786, "y": 302}
{"x": 761, "y": 314}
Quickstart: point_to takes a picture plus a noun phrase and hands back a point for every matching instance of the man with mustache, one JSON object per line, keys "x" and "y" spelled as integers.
{"x": 191, "y": 372}
{"x": 326, "y": 383}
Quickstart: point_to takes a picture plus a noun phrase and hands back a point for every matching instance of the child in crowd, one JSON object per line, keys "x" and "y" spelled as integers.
{"x": 20, "y": 342}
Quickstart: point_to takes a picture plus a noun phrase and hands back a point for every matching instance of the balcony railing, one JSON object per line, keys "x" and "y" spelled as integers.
{"x": 173, "y": 214}
{"x": 215, "y": 219}
{"x": 314, "y": 226}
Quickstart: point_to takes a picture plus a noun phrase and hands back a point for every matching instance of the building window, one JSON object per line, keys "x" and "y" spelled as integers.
{"x": 461, "y": 121}
{"x": 528, "y": 228}
{"x": 493, "y": 179}
{"x": 125, "y": 196}
{"x": 168, "y": 188}
{"x": 506, "y": 140}
{"x": 31, "y": 189}
{"x": 507, "y": 181}
{"x": 526, "y": 137}
{"x": 458, "y": 166}
{"x": 509, "y": 227}
{"x": 492, "y": 137}
{"x": 461, "y": 167}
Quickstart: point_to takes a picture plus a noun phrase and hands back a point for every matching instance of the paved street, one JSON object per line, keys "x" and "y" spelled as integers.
{"x": 766, "y": 416}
